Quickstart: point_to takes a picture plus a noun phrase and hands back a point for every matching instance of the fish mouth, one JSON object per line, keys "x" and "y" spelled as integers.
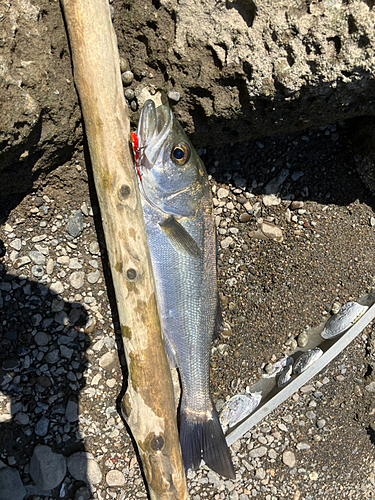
{"x": 153, "y": 128}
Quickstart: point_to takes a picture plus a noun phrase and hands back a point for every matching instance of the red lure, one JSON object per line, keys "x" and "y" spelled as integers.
{"x": 134, "y": 140}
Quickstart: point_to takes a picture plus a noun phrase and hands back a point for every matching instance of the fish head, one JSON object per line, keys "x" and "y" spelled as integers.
{"x": 173, "y": 178}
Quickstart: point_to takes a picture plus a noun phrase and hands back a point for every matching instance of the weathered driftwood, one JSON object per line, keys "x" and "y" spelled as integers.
{"x": 148, "y": 402}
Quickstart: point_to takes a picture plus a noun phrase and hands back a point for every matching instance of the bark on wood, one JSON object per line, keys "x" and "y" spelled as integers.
{"x": 148, "y": 402}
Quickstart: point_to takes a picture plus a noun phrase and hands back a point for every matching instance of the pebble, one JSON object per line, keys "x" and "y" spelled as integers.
{"x": 93, "y": 277}
{"x": 222, "y": 193}
{"x": 260, "y": 473}
{"x": 21, "y": 261}
{"x": 115, "y": 478}
{"x": 77, "y": 279}
{"x": 37, "y": 257}
{"x": 83, "y": 467}
{"x": 11, "y": 487}
{"x": 94, "y": 248}
{"x": 75, "y": 224}
{"x": 370, "y": 387}
{"x": 244, "y": 217}
{"x": 303, "y": 446}
{"x": 302, "y": 339}
{"x": 22, "y": 418}
{"x": 289, "y": 458}
{"x": 127, "y": 78}
{"x": 42, "y": 339}
{"x": 258, "y": 452}
{"x": 57, "y": 288}
{"x": 16, "y": 244}
{"x": 226, "y": 242}
{"x": 10, "y": 364}
{"x": 42, "y": 426}
{"x": 74, "y": 263}
{"x": 173, "y": 95}
{"x": 109, "y": 360}
{"x": 130, "y": 95}
{"x": 47, "y": 469}
{"x": 37, "y": 271}
{"x": 271, "y": 200}
{"x": 307, "y": 388}
{"x": 71, "y": 410}
{"x": 372, "y": 221}
{"x": 320, "y": 423}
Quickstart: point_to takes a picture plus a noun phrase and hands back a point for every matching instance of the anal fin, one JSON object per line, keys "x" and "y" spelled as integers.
{"x": 179, "y": 238}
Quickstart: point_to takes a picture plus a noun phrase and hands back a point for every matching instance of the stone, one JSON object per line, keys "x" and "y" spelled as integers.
{"x": 93, "y": 277}
{"x": 66, "y": 352}
{"x": 75, "y": 224}
{"x": 271, "y": 200}
{"x": 222, "y": 193}
{"x": 16, "y": 244}
{"x": 42, "y": 339}
{"x": 258, "y": 452}
{"x": 115, "y": 478}
{"x": 77, "y": 279}
{"x": 71, "y": 411}
{"x": 11, "y": 487}
{"x": 289, "y": 458}
{"x": 41, "y": 427}
{"x": 244, "y": 217}
{"x": 21, "y": 261}
{"x": 74, "y": 263}
{"x": 57, "y": 288}
{"x": 47, "y": 469}
{"x": 37, "y": 257}
{"x": 302, "y": 339}
{"x": 37, "y": 271}
{"x": 83, "y": 467}
{"x": 370, "y": 387}
{"x": 22, "y": 418}
{"x": 94, "y": 248}
{"x": 109, "y": 360}
{"x": 226, "y": 242}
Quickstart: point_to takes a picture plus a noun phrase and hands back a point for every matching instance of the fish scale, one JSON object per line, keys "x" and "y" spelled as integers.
{"x": 177, "y": 209}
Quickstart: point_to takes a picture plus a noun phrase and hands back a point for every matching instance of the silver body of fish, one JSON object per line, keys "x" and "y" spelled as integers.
{"x": 177, "y": 209}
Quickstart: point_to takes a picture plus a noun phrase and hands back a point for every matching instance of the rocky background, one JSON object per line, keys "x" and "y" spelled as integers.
{"x": 235, "y": 70}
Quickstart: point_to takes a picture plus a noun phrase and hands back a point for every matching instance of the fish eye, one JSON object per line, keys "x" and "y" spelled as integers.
{"x": 180, "y": 153}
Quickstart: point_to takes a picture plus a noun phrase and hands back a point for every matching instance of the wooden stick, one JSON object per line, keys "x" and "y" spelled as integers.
{"x": 148, "y": 401}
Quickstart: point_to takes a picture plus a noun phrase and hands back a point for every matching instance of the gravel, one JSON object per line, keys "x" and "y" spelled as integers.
{"x": 294, "y": 238}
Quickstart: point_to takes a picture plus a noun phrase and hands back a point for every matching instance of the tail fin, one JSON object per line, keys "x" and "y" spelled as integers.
{"x": 205, "y": 439}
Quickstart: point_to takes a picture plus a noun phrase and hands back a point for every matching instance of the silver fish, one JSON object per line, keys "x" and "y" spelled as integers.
{"x": 279, "y": 366}
{"x": 285, "y": 376}
{"x": 177, "y": 209}
{"x": 237, "y": 408}
{"x": 307, "y": 359}
{"x": 343, "y": 320}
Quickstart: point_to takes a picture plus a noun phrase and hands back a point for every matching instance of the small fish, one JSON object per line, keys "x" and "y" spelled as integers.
{"x": 343, "y": 320}
{"x": 279, "y": 366}
{"x": 285, "y": 377}
{"x": 237, "y": 408}
{"x": 180, "y": 226}
{"x": 307, "y": 359}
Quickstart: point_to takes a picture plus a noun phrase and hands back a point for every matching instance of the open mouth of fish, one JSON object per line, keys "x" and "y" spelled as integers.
{"x": 153, "y": 129}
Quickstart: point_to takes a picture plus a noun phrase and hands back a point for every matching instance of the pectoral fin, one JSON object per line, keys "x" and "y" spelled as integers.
{"x": 179, "y": 238}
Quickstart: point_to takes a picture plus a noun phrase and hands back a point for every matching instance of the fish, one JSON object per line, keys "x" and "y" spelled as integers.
{"x": 177, "y": 208}
{"x": 307, "y": 359}
{"x": 279, "y": 366}
{"x": 285, "y": 376}
{"x": 237, "y": 408}
{"x": 343, "y": 320}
